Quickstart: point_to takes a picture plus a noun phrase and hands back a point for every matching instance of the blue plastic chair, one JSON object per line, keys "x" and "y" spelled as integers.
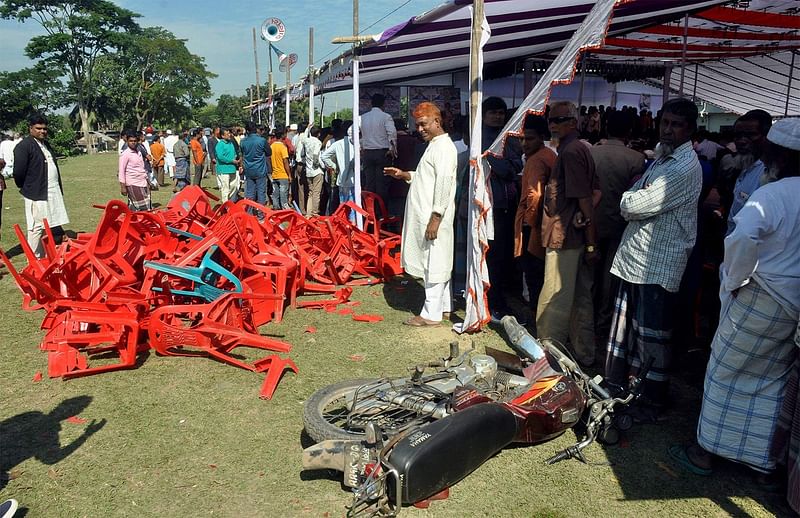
{"x": 204, "y": 277}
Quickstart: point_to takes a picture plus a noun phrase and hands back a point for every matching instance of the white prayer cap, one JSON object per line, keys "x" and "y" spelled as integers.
{"x": 169, "y": 132}
{"x": 293, "y": 127}
{"x": 786, "y": 133}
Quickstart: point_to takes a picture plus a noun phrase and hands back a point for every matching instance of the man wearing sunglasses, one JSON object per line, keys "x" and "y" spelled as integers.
{"x": 564, "y": 312}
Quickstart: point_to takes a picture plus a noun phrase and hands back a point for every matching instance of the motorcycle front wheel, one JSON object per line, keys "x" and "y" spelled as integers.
{"x": 327, "y": 416}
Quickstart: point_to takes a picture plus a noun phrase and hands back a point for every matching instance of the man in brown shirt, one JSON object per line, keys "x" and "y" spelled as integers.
{"x": 539, "y": 161}
{"x": 568, "y": 234}
{"x": 617, "y": 165}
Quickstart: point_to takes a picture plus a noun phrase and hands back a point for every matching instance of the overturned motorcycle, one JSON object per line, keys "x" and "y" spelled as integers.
{"x": 402, "y": 441}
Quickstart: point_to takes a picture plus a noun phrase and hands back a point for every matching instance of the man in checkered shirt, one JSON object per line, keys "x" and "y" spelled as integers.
{"x": 661, "y": 211}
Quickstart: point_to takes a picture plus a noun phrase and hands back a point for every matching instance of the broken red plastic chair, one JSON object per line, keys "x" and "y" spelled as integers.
{"x": 75, "y": 336}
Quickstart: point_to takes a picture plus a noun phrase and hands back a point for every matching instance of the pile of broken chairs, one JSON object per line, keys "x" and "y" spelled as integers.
{"x": 196, "y": 280}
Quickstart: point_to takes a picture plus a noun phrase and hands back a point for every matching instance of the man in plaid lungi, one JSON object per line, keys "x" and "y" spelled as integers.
{"x": 753, "y": 355}
{"x": 661, "y": 211}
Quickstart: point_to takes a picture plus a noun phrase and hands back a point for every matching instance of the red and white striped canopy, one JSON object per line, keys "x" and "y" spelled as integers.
{"x": 437, "y": 42}
{"x": 740, "y": 52}
{"x": 739, "y": 57}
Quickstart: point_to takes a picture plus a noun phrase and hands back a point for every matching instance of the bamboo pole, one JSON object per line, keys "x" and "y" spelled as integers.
{"x": 789, "y": 85}
{"x": 683, "y": 51}
{"x": 311, "y": 75}
{"x": 474, "y": 52}
{"x": 258, "y": 79}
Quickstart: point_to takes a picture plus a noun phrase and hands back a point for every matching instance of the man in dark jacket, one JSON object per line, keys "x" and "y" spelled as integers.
{"x": 504, "y": 180}
{"x": 37, "y": 176}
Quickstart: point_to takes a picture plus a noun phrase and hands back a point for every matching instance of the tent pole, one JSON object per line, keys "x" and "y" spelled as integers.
{"x": 474, "y": 51}
{"x": 613, "y": 95}
{"x": 288, "y": 80}
{"x": 667, "y": 81}
{"x": 584, "y": 58}
{"x": 683, "y": 52}
{"x": 271, "y": 89}
{"x": 789, "y": 86}
{"x": 258, "y": 80}
{"x": 527, "y": 73}
{"x": 311, "y": 75}
{"x": 514, "y": 94}
{"x": 356, "y": 120}
{"x": 694, "y": 88}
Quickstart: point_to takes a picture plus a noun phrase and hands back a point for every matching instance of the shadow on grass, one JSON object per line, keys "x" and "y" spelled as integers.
{"x": 35, "y": 435}
{"x": 14, "y": 251}
{"x": 404, "y": 293}
{"x": 645, "y": 471}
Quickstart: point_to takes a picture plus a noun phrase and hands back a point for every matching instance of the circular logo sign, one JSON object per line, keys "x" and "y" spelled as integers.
{"x": 273, "y": 29}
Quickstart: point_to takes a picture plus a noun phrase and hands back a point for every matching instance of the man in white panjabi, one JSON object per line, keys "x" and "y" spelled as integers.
{"x": 37, "y": 176}
{"x": 169, "y": 149}
{"x": 427, "y": 249}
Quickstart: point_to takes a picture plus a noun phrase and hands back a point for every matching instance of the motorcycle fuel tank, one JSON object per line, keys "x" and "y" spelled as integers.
{"x": 551, "y": 406}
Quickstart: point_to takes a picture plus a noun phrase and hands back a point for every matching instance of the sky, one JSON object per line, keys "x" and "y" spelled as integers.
{"x": 221, "y": 32}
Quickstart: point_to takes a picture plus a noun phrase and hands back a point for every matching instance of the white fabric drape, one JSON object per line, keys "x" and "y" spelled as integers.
{"x": 480, "y": 219}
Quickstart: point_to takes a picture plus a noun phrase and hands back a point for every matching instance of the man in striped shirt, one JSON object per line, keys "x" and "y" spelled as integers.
{"x": 661, "y": 211}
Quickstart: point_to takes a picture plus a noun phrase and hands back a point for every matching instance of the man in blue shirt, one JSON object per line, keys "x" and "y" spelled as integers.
{"x": 257, "y": 160}
{"x": 751, "y": 131}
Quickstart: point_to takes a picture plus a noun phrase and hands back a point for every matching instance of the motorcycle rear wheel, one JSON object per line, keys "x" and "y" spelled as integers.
{"x": 325, "y": 414}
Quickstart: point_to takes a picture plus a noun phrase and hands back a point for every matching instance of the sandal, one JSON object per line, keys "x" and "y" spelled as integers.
{"x": 418, "y": 321}
{"x": 679, "y": 454}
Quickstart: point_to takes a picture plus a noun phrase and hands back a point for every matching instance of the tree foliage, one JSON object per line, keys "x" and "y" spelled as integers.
{"x": 152, "y": 79}
{"x": 77, "y": 32}
{"x": 230, "y": 110}
{"x": 116, "y": 73}
{"x": 28, "y": 91}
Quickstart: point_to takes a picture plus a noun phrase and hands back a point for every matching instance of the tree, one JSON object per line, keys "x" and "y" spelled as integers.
{"x": 77, "y": 32}
{"x": 153, "y": 78}
{"x": 169, "y": 77}
{"x": 345, "y": 114}
{"x": 230, "y": 110}
{"x": 27, "y": 91}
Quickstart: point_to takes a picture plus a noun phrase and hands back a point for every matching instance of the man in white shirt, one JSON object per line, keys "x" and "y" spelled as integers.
{"x": 427, "y": 249}
{"x": 169, "y": 149}
{"x": 308, "y": 151}
{"x": 7, "y": 153}
{"x": 753, "y": 352}
{"x": 379, "y": 144}
{"x": 340, "y": 158}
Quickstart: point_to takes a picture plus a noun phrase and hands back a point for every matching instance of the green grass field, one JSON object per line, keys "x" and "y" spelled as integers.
{"x": 189, "y": 437}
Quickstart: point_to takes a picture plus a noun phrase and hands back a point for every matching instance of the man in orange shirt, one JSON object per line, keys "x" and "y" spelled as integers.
{"x": 158, "y": 152}
{"x": 281, "y": 172}
{"x": 539, "y": 161}
{"x": 198, "y": 156}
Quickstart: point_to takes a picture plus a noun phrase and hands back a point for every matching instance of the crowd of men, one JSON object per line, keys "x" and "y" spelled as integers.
{"x": 589, "y": 224}
{"x": 605, "y": 242}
